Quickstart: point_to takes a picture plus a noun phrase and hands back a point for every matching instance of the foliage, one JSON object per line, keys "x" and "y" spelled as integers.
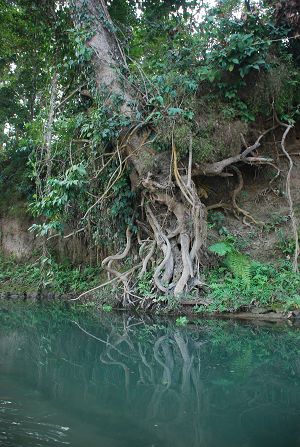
{"x": 269, "y": 286}
{"x": 45, "y": 274}
{"x": 286, "y": 244}
{"x": 276, "y": 220}
{"x": 216, "y": 220}
{"x": 107, "y": 308}
{"x": 182, "y": 321}
{"x": 201, "y": 78}
{"x": 145, "y": 285}
{"x": 238, "y": 263}
{"x": 190, "y": 72}
{"x": 61, "y": 194}
{"x": 222, "y": 248}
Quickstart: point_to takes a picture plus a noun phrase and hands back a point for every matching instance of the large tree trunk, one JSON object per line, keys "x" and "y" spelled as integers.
{"x": 175, "y": 218}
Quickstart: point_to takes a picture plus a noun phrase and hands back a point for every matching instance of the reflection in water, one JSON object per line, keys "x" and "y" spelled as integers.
{"x": 126, "y": 381}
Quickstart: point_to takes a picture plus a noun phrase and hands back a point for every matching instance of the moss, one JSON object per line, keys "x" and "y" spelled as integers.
{"x": 216, "y": 135}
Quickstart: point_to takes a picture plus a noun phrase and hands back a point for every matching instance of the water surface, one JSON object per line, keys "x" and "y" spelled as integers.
{"x": 124, "y": 381}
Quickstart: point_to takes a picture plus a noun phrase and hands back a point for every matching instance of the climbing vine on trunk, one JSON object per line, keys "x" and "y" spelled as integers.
{"x": 172, "y": 229}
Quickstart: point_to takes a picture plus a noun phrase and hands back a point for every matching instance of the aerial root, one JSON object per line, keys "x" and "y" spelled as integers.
{"x": 147, "y": 259}
{"x": 164, "y": 244}
{"x": 108, "y": 261}
{"x": 289, "y": 194}
{"x": 179, "y": 269}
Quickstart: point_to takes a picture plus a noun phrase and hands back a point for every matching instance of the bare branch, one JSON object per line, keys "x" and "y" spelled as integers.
{"x": 218, "y": 167}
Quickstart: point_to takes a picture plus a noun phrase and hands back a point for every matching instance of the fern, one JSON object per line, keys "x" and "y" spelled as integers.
{"x": 222, "y": 248}
{"x": 240, "y": 265}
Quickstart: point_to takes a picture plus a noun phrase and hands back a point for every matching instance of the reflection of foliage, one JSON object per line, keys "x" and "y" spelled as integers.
{"x": 188, "y": 380}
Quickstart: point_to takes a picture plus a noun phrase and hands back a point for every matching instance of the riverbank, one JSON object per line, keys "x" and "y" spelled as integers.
{"x": 267, "y": 292}
{"x": 184, "y": 314}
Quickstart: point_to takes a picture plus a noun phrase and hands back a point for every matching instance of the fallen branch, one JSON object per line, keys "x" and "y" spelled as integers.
{"x": 106, "y": 283}
{"x": 218, "y": 167}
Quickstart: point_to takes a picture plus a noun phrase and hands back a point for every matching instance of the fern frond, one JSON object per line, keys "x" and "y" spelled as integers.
{"x": 240, "y": 265}
{"x": 221, "y": 248}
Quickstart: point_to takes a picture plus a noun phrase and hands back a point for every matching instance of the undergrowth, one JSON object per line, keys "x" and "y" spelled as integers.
{"x": 266, "y": 285}
{"x": 33, "y": 276}
{"x": 237, "y": 283}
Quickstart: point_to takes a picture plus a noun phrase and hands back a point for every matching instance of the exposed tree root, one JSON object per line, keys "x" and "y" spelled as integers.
{"x": 147, "y": 259}
{"x": 107, "y": 264}
{"x": 164, "y": 244}
{"x": 215, "y": 206}
{"x": 236, "y": 208}
{"x": 177, "y": 225}
{"x": 175, "y": 218}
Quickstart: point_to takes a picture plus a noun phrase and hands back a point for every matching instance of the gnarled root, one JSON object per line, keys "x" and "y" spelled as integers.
{"x": 175, "y": 227}
{"x": 179, "y": 230}
{"x": 107, "y": 264}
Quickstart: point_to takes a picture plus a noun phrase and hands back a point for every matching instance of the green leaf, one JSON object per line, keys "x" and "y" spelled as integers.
{"x": 221, "y": 248}
{"x": 172, "y": 111}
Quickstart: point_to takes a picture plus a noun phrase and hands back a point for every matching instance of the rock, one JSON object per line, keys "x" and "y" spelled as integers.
{"x": 294, "y": 314}
{"x": 16, "y": 296}
{"x": 31, "y": 296}
{"x": 260, "y": 310}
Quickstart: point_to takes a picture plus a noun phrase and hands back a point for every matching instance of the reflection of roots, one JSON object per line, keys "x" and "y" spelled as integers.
{"x": 168, "y": 364}
{"x": 164, "y": 367}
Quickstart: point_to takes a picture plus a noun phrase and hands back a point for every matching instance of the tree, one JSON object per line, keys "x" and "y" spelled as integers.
{"x": 175, "y": 217}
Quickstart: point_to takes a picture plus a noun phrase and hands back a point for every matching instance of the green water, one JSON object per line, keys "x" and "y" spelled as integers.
{"x": 144, "y": 382}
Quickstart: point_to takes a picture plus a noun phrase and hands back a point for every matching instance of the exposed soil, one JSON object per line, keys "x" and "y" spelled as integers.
{"x": 264, "y": 197}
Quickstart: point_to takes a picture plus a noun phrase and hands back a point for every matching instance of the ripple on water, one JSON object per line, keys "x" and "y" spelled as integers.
{"x": 19, "y": 430}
